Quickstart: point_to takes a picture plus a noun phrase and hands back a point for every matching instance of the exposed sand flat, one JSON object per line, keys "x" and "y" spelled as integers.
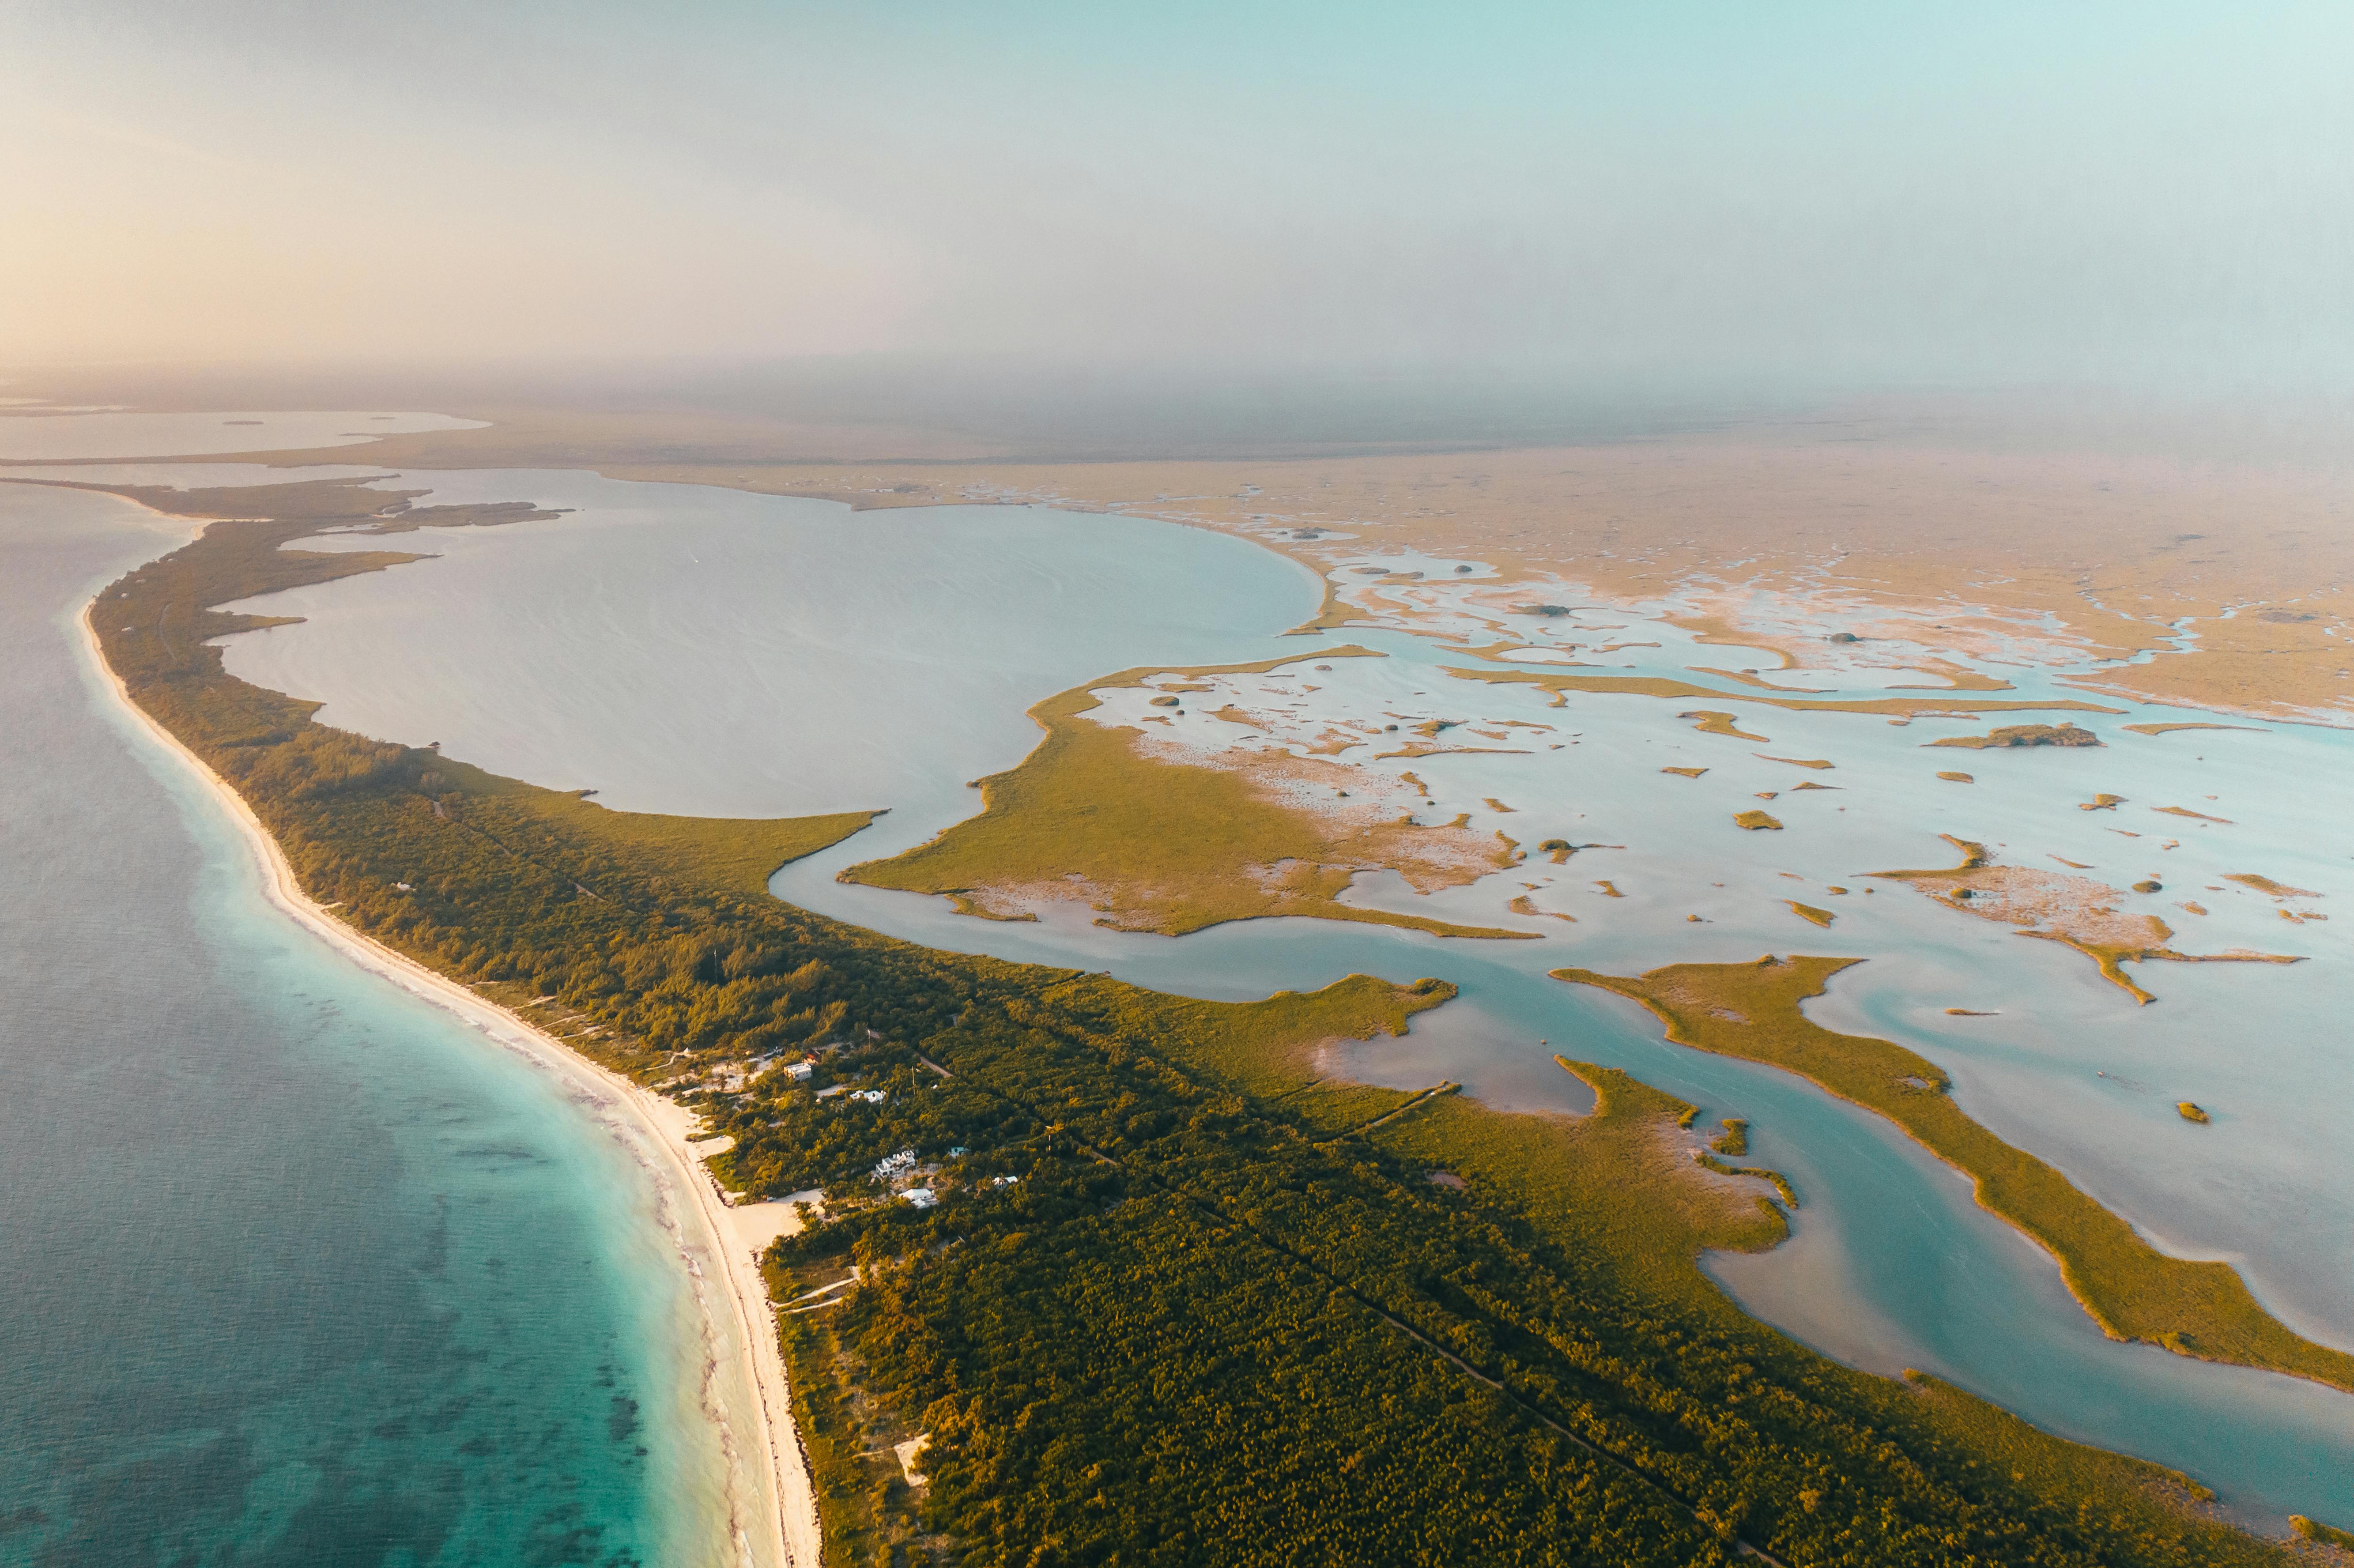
{"x": 753, "y": 1226}
{"x": 2078, "y": 911}
{"x": 778, "y": 1523}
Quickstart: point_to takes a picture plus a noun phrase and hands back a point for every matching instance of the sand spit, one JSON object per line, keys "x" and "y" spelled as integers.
{"x": 781, "y": 1523}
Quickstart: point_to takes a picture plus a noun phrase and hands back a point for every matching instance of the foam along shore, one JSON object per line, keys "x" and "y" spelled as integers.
{"x": 778, "y": 1523}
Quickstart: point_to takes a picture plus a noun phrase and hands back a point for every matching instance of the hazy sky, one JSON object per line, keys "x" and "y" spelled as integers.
{"x": 2006, "y": 189}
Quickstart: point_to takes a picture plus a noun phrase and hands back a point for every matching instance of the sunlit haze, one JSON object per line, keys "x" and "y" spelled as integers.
{"x": 2129, "y": 193}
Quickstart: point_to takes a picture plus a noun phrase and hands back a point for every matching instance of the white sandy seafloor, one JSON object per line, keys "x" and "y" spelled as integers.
{"x": 701, "y": 651}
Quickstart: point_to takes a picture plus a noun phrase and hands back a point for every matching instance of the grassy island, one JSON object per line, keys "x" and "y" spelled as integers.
{"x": 1156, "y": 844}
{"x": 1715, "y": 721}
{"x": 2011, "y": 735}
{"x": 2132, "y": 1290}
{"x": 1182, "y": 1297}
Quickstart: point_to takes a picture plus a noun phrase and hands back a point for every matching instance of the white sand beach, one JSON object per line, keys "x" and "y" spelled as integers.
{"x": 776, "y": 1524}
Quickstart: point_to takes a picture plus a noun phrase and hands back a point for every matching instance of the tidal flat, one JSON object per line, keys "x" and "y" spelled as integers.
{"x": 479, "y": 657}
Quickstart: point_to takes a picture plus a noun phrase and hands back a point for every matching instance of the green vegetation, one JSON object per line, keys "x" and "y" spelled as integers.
{"x": 2190, "y": 1112}
{"x": 2132, "y": 1290}
{"x": 1732, "y": 1138}
{"x": 2265, "y": 884}
{"x": 737, "y": 853}
{"x": 2024, "y": 734}
{"x": 1162, "y": 846}
{"x": 1181, "y": 1300}
{"x": 1155, "y": 1315}
{"x": 1810, "y": 912}
{"x": 2328, "y": 1535}
{"x": 1713, "y": 721}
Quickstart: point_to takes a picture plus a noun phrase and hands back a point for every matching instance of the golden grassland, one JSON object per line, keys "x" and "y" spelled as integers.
{"x": 1913, "y": 524}
{"x": 1685, "y": 772}
{"x": 2132, "y": 1290}
{"x": 1816, "y": 762}
{"x": 2171, "y": 728}
{"x": 1952, "y": 778}
{"x": 2326, "y": 1535}
{"x": 1163, "y": 846}
{"x": 2075, "y": 911}
{"x": 1268, "y": 1047}
{"x": 1810, "y": 912}
{"x": 1618, "y": 1178}
{"x": 736, "y": 854}
{"x": 1711, "y": 722}
{"x": 1746, "y": 677}
{"x": 2265, "y": 884}
{"x": 1757, "y": 822}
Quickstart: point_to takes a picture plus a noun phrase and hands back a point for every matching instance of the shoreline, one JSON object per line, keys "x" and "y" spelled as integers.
{"x": 664, "y": 1129}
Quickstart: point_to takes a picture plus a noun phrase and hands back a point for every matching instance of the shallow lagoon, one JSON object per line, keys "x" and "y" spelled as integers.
{"x": 701, "y": 651}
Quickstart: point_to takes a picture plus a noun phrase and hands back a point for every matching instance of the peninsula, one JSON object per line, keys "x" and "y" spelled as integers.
{"x": 1120, "y": 1246}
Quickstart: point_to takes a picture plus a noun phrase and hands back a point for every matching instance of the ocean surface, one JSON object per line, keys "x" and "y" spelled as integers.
{"x": 294, "y": 1267}
{"x": 691, "y": 649}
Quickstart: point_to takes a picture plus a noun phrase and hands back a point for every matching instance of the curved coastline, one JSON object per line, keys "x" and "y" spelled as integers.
{"x": 659, "y": 1133}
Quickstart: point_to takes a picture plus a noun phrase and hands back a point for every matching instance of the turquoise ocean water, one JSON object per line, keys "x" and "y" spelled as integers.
{"x": 294, "y": 1268}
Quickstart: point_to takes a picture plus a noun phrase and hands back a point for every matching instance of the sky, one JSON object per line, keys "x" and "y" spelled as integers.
{"x": 2131, "y": 193}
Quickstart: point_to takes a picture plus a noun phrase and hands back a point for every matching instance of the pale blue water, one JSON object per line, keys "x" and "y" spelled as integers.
{"x": 298, "y": 1269}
